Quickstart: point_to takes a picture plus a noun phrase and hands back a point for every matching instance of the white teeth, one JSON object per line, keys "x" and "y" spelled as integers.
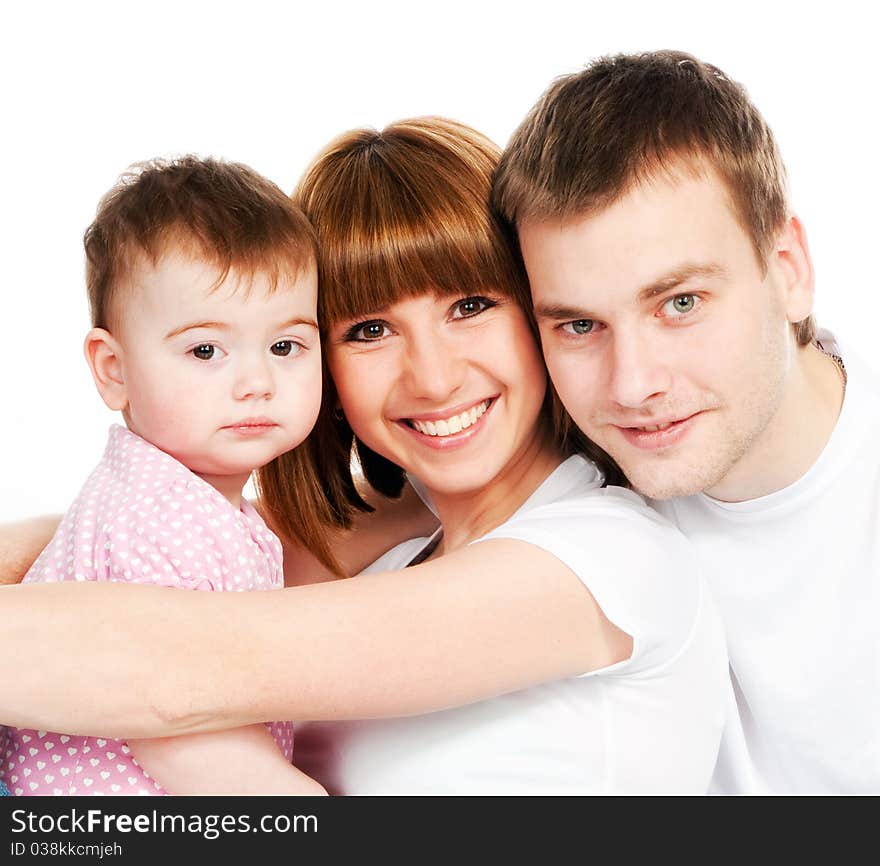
{"x": 454, "y": 424}
{"x": 656, "y": 427}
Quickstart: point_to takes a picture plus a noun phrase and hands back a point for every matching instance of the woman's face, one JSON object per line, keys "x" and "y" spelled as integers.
{"x": 450, "y": 388}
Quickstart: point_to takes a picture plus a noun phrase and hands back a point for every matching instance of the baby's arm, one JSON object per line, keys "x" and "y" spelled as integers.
{"x": 239, "y": 761}
{"x": 21, "y": 543}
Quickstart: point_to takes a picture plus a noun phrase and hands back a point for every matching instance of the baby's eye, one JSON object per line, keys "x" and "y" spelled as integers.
{"x": 680, "y": 305}
{"x": 204, "y": 352}
{"x": 285, "y": 347}
{"x": 579, "y": 326}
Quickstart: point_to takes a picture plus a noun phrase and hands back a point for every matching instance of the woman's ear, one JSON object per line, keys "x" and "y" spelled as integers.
{"x": 104, "y": 356}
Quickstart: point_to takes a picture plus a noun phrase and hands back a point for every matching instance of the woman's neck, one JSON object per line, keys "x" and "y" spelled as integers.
{"x": 467, "y": 516}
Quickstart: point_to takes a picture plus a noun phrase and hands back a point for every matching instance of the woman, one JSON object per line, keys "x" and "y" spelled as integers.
{"x": 552, "y": 636}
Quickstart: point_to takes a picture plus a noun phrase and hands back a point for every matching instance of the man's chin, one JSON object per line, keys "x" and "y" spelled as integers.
{"x": 670, "y": 484}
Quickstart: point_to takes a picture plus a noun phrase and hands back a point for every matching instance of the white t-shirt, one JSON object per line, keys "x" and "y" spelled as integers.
{"x": 796, "y": 575}
{"x": 650, "y": 724}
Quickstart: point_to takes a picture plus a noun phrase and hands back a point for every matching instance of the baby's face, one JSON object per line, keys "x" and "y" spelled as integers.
{"x": 224, "y": 379}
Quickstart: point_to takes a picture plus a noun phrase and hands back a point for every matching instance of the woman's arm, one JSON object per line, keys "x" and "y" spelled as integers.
{"x": 120, "y": 660}
{"x": 21, "y": 543}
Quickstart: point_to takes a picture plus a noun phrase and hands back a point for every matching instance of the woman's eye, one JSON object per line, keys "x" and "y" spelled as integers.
{"x": 680, "y": 305}
{"x": 285, "y": 347}
{"x": 367, "y": 332}
{"x": 470, "y": 307}
{"x": 204, "y": 352}
{"x": 579, "y": 326}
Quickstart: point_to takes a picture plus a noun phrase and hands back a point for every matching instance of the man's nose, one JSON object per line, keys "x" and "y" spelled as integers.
{"x": 638, "y": 372}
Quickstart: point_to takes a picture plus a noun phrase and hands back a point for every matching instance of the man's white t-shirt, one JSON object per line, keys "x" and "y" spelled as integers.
{"x": 796, "y": 576}
{"x": 650, "y": 724}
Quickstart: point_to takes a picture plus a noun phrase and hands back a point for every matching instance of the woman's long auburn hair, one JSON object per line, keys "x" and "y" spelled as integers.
{"x": 399, "y": 213}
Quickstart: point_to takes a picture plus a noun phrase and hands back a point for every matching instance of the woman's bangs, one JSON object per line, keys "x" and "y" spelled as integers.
{"x": 385, "y": 264}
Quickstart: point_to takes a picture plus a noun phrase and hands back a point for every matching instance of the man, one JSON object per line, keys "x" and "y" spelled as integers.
{"x": 673, "y": 290}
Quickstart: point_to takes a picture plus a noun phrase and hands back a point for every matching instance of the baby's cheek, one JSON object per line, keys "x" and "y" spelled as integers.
{"x": 301, "y": 399}
{"x": 176, "y": 418}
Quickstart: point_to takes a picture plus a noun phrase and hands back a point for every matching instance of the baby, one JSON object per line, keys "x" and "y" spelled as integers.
{"x": 202, "y": 286}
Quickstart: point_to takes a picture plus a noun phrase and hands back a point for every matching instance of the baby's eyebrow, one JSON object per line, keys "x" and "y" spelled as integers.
{"x": 217, "y": 326}
{"x": 312, "y": 323}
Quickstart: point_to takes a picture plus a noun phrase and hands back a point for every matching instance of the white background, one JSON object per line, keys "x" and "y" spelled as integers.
{"x": 89, "y": 88}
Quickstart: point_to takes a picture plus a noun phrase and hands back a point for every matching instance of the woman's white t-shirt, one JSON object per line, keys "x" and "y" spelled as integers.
{"x": 650, "y": 724}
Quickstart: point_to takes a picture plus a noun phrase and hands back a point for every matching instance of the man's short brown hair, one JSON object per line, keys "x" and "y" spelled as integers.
{"x": 596, "y": 133}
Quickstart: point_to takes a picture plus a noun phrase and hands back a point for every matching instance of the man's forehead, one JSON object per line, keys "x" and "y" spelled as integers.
{"x": 666, "y": 232}
{"x": 674, "y": 177}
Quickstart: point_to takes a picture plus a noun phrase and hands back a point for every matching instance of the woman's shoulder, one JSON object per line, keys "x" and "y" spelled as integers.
{"x": 642, "y": 571}
{"x": 572, "y": 499}
{"x": 400, "y": 556}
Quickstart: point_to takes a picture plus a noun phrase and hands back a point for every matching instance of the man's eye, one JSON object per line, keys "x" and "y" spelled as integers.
{"x": 471, "y": 307}
{"x": 679, "y": 305}
{"x": 284, "y": 347}
{"x": 579, "y": 326}
{"x": 205, "y": 352}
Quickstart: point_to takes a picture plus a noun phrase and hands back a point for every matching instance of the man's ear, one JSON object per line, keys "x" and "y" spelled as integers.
{"x": 791, "y": 256}
{"x": 104, "y": 356}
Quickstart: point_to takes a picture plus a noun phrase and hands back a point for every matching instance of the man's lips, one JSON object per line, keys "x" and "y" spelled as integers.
{"x": 658, "y": 433}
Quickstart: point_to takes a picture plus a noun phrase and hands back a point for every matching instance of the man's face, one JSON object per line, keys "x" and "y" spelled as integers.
{"x": 668, "y": 342}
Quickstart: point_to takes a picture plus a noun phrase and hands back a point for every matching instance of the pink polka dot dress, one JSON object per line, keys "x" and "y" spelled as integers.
{"x": 142, "y": 517}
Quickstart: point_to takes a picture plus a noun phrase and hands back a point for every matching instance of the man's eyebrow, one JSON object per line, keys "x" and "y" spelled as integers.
{"x": 192, "y": 326}
{"x": 666, "y": 283}
{"x": 677, "y": 277}
{"x": 559, "y": 312}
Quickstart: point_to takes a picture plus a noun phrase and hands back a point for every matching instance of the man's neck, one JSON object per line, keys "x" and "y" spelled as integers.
{"x": 796, "y": 436}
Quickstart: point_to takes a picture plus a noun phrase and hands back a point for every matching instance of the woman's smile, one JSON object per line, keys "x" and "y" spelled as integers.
{"x": 449, "y": 428}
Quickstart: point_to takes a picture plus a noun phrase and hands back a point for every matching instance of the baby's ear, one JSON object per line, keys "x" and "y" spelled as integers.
{"x": 104, "y": 356}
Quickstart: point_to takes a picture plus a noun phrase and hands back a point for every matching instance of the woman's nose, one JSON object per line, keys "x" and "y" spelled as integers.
{"x": 435, "y": 366}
